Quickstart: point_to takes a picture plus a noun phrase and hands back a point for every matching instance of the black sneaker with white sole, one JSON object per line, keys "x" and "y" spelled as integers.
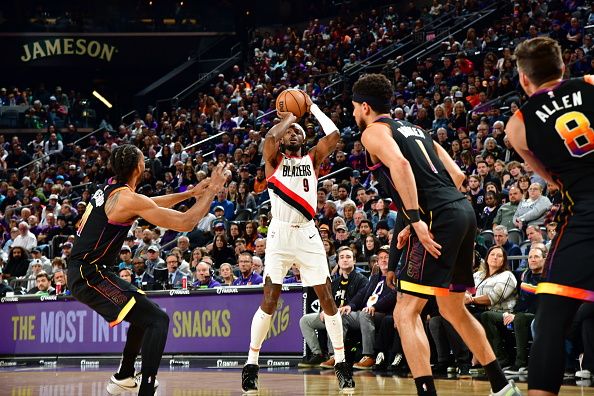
{"x": 344, "y": 375}
{"x": 249, "y": 378}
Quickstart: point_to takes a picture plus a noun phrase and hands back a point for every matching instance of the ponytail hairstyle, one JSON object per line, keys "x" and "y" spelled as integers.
{"x": 123, "y": 161}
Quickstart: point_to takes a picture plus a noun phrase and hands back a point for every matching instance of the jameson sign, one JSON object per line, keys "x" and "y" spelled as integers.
{"x": 67, "y": 46}
{"x": 107, "y": 51}
{"x": 205, "y": 321}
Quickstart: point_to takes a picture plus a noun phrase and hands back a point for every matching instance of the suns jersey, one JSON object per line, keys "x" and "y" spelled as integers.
{"x": 293, "y": 190}
{"x": 559, "y": 124}
{"x": 98, "y": 240}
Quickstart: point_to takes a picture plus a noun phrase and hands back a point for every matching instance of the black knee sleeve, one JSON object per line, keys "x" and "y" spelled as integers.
{"x": 547, "y": 363}
{"x": 155, "y": 322}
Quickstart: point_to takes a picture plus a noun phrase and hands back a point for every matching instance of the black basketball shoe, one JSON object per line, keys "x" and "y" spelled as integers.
{"x": 249, "y": 378}
{"x": 345, "y": 376}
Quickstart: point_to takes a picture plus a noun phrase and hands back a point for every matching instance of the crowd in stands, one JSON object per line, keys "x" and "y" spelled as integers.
{"x": 450, "y": 94}
{"x": 42, "y": 108}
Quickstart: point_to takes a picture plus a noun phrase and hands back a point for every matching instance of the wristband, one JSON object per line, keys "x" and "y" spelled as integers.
{"x": 326, "y": 123}
{"x": 412, "y": 215}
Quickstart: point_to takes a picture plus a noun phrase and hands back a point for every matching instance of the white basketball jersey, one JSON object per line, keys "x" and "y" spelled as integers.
{"x": 293, "y": 190}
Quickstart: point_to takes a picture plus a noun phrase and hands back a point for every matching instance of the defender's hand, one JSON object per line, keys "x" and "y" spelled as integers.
{"x": 218, "y": 177}
{"x": 403, "y": 237}
{"x": 426, "y": 238}
{"x": 199, "y": 189}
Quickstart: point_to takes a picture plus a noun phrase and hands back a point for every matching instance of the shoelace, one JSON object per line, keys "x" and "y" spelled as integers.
{"x": 397, "y": 360}
{"x": 380, "y": 358}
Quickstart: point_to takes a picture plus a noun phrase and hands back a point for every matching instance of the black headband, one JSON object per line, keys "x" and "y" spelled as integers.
{"x": 374, "y": 102}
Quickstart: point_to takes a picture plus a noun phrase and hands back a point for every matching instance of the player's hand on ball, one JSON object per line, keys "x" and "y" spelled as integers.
{"x": 287, "y": 117}
{"x": 426, "y": 238}
{"x": 308, "y": 100}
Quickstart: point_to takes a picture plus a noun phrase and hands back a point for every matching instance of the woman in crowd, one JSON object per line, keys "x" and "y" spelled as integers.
{"x": 440, "y": 120}
{"x": 383, "y": 213}
{"x": 501, "y": 172}
{"x": 370, "y": 247}
{"x": 495, "y": 290}
{"x": 524, "y": 184}
{"x": 165, "y": 156}
{"x": 468, "y": 165}
{"x": 330, "y": 253}
{"x": 222, "y": 252}
{"x": 244, "y": 198}
{"x": 455, "y": 152}
{"x": 458, "y": 119}
{"x": 491, "y": 147}
{"x": 226, "y": 274}
{"x": 234, "y": 232}
{"x": 349, "y": 209}
{"x": 232, "y": 193}
{"x": 250, "y": 235}
{"x": 197, "y": 255}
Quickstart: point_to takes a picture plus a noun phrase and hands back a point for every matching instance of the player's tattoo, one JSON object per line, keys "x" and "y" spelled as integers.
{"x": 111, "y": 203}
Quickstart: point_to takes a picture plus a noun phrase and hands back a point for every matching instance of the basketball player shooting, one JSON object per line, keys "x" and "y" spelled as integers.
{"x": 99, "y": 237}
{"x": 293, "y": 236}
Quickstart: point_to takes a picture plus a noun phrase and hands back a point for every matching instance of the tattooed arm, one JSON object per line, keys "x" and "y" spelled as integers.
{"x": 125, "y": 205}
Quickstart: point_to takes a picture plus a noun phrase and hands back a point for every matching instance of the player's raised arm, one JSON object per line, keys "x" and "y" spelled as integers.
{"x": 125, "y": 204}
{"x": 275, "y": 134}
{"x": 327, "y": 144}
{"x": 169, "y": 200}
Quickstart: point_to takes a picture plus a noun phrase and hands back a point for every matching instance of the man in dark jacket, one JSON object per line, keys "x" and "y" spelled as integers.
{"x": 345, "y": 287}
{"x": 500, "y": 239}
{"x": 368, "y": 308}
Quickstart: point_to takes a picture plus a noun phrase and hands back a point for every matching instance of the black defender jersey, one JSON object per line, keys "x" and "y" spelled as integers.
{"x": 98, "y": 240}
{"x": 435, "y": 187}
{"x": 559, "y": 131}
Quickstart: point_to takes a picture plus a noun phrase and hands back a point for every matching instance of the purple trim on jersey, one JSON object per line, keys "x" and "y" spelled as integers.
{"x": 549, "y": 89}
{"x": 119, "y": 224}
{"x": 374, "y": 166}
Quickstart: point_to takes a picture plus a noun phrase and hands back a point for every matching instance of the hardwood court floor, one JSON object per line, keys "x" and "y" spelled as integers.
{"x": 198, "y": 382}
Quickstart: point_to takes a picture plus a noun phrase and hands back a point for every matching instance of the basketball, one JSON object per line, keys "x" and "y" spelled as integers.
{"x": 291, "y": 100}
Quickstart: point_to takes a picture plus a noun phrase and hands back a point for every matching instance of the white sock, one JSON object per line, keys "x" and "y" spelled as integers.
{"x": 260, "y": 327}
{"x": 334, "y": 330}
